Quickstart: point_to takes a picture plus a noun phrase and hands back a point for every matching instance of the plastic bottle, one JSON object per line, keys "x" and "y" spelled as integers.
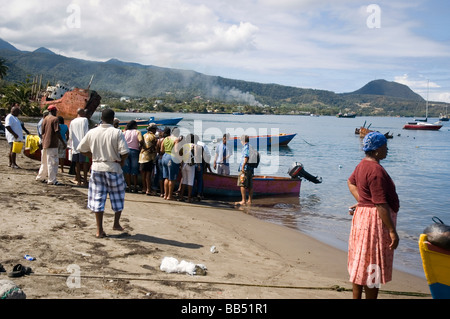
{"x": 28, "y": 257}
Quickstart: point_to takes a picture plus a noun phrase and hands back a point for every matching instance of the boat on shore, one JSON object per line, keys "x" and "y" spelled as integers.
{"x": 68, "y": 101}
{"x": 267, "y": 140}
{"x": 226, "y": 185}
{"x": 436, "y": 266}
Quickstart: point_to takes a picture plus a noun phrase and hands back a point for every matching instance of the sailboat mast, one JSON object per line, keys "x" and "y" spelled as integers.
{"x": 428, "y": 89}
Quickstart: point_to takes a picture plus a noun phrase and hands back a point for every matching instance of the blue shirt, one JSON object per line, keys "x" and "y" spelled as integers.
{"x": 220, "y": 153}
{"x": 245, "y": 153}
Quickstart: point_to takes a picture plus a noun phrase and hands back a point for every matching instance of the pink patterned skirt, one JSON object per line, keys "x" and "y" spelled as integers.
{"x": 370, "y": 260}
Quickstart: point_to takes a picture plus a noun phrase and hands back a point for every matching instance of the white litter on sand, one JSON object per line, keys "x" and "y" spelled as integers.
{"x": 171, "y": 265}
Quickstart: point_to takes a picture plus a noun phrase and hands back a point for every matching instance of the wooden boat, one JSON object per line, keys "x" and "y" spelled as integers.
{"x": 223, "y": 185}
{"x": 436, "y": 266}
{"x": 423, "y": 126}
{"x": 35, "y": 154}
{"x": 363, "y": 131}
{"x": 71, "y": 101}
{"x": 267, "y": 140}
{"x": 144, "y": 123}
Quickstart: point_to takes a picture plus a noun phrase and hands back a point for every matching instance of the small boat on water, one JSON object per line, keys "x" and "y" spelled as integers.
{"x": 425, "y": 126}
{"x": 346, "y": 115}
{"x": 422, "y": 124}
{"x": 363, "y": 131}
{"x": 443, "y": 117}
{"x": 226, "y": 185}
{"x": 144, "y": 123}
{"x": 267, "y": 140}
{"x": 436, "y": 266}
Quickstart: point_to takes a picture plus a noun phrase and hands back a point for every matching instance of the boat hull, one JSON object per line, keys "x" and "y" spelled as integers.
{"x": 423, "y": 127}
{"x": 436, "y": 266}
{"x": 37, "y": 156}
{"x": 267, "y": 140}
{"x": 142, "y": 124}
{"x": 222, "y": 185}
{"x": 71, "y": 101}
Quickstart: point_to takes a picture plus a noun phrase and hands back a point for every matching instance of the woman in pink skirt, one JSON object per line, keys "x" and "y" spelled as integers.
{"x": 373, "y": 236}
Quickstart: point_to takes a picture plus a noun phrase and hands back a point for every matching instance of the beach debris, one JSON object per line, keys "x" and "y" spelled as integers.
{"x": 213, "y": 250}
{"x": 172, "y": 265}
{"x": 28, "y": 257}
{"x": 9, "y": 290}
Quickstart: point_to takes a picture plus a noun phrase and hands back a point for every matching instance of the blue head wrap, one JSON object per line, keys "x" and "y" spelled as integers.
{"x": 373, "y": 141}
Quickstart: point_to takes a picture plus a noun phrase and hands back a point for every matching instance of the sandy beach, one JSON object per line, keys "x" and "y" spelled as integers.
{"x": 253, "y": 259}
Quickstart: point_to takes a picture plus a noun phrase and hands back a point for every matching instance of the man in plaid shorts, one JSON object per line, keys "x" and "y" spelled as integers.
{"x": 108, "y": 149}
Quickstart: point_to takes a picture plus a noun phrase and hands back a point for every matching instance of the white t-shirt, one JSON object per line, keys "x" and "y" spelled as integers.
{"x": 78, "y": 128}
{"x": 16, "y": 126}
{"x": 106, "y": 144}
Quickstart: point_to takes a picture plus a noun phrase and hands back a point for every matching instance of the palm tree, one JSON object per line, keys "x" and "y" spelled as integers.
{"x": 3, "y": 68}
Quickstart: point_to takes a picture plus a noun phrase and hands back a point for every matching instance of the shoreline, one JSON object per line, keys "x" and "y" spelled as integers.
{"x": 254, "y": 258}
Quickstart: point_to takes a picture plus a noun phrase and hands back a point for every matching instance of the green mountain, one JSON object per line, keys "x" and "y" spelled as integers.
{"x": 385, "y": 88}
{"x": 115, "y": 77}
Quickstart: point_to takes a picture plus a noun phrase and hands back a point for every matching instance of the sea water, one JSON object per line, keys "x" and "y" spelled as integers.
{"x": 327, "y": 146}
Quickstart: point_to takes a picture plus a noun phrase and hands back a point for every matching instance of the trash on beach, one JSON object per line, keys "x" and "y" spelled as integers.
{"x": 171, "y": 265}
{"x": 9, "y": 290}
{"x": 213, "y": 250}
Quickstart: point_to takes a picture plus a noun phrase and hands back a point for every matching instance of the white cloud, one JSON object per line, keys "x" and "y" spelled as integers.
{"x": 424, "y": 87}
{"x": 280, "y": 41}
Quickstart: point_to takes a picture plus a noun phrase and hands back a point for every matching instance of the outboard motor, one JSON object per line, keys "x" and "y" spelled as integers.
{"x": 297, "y": 171}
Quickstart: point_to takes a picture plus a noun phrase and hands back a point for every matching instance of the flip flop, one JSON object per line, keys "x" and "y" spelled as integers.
{"x": 2, "y": 269}
{"x": 19, "y": 271}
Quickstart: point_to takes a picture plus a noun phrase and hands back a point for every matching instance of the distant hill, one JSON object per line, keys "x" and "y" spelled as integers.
{"x": 43, "y": 50}
{"x": 7, "y": 46}
{"x": 115, "y": 77}
{"x": 386, "y": 88}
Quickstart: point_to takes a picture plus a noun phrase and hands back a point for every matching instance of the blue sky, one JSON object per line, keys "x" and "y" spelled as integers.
{"x": 320, "y": 44}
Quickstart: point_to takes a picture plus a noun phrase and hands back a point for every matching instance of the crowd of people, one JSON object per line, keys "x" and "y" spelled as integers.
{"x": 127, "y": 160}
{"x": 110, "y": 160}
{"x": 157, "y": 161}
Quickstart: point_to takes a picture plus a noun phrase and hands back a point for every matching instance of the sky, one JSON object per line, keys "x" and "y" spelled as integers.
{"x": 320, "y": 44}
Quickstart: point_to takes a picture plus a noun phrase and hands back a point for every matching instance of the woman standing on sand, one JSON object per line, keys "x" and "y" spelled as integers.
{"x": 131, "y": 169}
{"x": 373, "y": 236}
{"x": 170, "y": 161}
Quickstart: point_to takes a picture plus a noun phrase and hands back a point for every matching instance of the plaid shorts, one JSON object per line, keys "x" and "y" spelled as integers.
{"x": 102, "y": 183}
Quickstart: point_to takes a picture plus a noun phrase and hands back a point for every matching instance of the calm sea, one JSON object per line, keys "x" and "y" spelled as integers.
{"x": 418, "y": 162}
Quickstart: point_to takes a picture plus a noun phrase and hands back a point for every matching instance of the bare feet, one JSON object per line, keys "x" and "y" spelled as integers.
{"x": 242, "y": 202}
{"x": 118, "y": 228}
{"x": 102, "y": 235}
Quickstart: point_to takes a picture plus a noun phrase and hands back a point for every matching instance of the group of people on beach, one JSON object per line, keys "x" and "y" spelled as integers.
{"x": 117, "y": 157}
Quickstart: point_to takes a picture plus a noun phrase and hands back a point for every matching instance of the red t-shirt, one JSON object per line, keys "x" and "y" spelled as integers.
{"x": 374, "y": 185}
